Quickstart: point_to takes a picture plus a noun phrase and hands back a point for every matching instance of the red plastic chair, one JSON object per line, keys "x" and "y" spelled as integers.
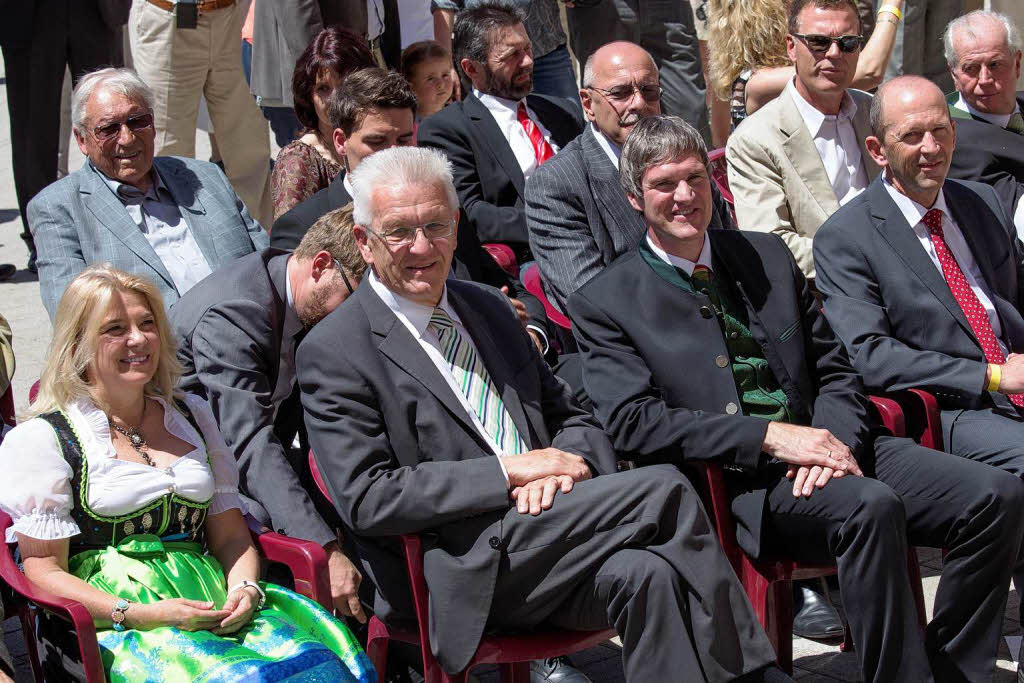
{"x": 768, "y": 583}
{"x": 720, "y": 176}
{"x": 924, "y": 425}
{"x": 7, "y": 407}
{"x": 531, "y": 280}
{"x": 512, "y": 653}
{"x": 504, "y": 257}
{"x": 307, "y": 561}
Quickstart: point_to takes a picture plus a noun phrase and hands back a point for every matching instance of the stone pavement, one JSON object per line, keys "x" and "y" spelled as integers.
{"x": 20, "y": 304}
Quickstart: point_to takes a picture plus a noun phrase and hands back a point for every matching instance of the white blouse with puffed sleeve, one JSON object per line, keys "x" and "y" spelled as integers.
{"x": 35, "y": 480}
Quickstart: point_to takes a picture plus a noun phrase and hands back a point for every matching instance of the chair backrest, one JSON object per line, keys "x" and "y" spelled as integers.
{"x": 720, "y": 176}
{"x": 317, "y": 478}
{"x": 531, "y": 280}
{"x": 504, "y": 257}
{"x": 33, "y": 392}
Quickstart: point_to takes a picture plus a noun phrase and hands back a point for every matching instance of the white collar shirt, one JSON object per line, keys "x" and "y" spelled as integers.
{"x": 505, "y": 114}
{"x": 610, "y": 148}
{"x": 683, "y": 264}
{"x": 416, "y": 318}
{"x": 836, "y": 143}
{"x": 1000, "y": 120}
{"x": 346, "y": 182}
{"x": 954, "y": 238}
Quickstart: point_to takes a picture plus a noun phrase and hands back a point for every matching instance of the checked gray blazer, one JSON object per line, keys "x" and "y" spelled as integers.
{"x": 78, "y": 221}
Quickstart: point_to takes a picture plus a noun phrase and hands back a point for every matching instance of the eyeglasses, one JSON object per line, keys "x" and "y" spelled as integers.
{"x": 621, "y": 93}
{"x": 341, "y": 271}
{"x": 136, "y": 124}
{"x": 406, "y": 234}
{"x": 821, "y": 43}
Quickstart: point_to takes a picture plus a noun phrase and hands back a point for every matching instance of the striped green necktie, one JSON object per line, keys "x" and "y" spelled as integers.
{"x": 1016, "y": 123}
{"x": 472, "y": 377}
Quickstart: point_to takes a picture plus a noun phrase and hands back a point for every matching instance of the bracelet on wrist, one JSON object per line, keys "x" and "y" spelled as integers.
{"x": 994, "y": 377}
{"x": 251, "y": 584}
{"x": 117, "y": 614}
{"x": 891, "y": 9}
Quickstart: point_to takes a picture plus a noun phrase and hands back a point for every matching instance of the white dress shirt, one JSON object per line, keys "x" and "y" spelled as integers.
{"x": 958, "y": 247}
{"x": 505, "y": 113}
{"x": 683, "y": 264}
{"x": 837, "y": 144}
{"x": 159, "y": 218}
{"x": 416, "y": 318}
{"x": 610, "y": 148}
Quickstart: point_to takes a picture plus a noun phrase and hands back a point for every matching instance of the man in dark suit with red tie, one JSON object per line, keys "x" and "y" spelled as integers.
{"x": 499, "y": 134}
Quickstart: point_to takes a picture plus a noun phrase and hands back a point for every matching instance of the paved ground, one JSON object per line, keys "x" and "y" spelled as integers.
{"x": 20, "y": 304}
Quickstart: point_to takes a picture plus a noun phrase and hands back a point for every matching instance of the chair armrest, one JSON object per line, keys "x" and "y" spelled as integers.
{"x": 418, "y": 585}
{"x": 306, "y": 560}
{"x": 891, "y": 414}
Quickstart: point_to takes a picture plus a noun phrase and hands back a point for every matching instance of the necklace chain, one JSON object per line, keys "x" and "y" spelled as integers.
{"x": 135, "y": 438}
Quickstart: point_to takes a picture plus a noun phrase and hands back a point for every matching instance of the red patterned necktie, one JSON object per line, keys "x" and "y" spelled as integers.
{"x": 965, "y": 296}
{"x": 541, "y": 149}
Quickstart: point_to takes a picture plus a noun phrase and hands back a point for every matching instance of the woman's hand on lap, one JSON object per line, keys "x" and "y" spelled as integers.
{"x": 242, "y": 605}
{"x": 181, "y": 613}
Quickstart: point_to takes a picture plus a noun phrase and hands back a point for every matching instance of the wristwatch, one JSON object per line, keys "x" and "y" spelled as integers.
{"x": 117, "y": 615}
{"x": 251, "y": 584}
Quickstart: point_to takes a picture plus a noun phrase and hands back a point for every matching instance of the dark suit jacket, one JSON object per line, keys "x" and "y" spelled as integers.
{"x": 989, "y": 154}
{"x": 400, "y": 455}
{"x": 291, "y": 226}
{"x": 229, "y": 329}
{"x": 652, "y": 374}
{"x": 893, "y": 308}
{"x": 487, "y": 176}
{"x": 579, "y": 219}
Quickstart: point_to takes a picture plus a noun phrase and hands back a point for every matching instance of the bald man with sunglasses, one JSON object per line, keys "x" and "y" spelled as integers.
{"x": 796, "y": 160}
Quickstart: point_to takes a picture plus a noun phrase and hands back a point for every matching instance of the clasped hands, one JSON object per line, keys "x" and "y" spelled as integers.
{"x": 536, "y": 476}
{"x": 196, "y": 615}
{"x": 814, "y": 456}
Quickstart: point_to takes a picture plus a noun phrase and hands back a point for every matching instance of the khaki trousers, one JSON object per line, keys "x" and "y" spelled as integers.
{"x": 182, "y": 64}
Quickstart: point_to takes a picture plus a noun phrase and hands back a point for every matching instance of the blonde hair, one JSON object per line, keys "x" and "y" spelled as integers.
{"x": 76, "y": 326}
{"x": 744, "y": 34}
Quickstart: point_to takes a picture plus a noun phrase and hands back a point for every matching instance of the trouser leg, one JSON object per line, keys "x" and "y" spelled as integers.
{"x": 553, "y": 75}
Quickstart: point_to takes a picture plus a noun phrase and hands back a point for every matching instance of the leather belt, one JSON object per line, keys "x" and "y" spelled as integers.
{"x": 201, "y": 5}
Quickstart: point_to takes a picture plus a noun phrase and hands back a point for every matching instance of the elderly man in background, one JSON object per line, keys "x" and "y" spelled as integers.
{"x": 984, "y": 51}
{"x": 172, "y": 219}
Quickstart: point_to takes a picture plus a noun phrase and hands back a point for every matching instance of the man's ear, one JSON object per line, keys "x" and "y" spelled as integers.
{"x": 470, "y": 68}
{"x": 80, "y": 140}
{"x": 587, "y": 101}
{"x": 362, "y": 241}
{"x": 877, "y": 152}
{"x": 791, "y": 48}
{"x": 339, "y": 143}
{"x": 322, "y": 262}
{"x": 635, "y": 203}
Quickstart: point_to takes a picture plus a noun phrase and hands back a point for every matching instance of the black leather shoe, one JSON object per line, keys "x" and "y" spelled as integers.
{"x": 815, "y": 616}
{"x": 7, "y": 271}
{"x": 555, "y": 670}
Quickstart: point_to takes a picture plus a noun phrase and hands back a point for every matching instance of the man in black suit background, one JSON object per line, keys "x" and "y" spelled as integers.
{"x": 728, "y": 359}
{"x": 499, "y": 134}
{"x": 237, "y": 331}
{"x": 984, "y": 50}
{"x": 441, "y": 419}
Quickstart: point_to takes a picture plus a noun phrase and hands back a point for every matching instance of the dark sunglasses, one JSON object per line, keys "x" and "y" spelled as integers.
{"x": 621, "y": 93}
{"x": 820, "y": 43}
{"x": 136, "y": 124}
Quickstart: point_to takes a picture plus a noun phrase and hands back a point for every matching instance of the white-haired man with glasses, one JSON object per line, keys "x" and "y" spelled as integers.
{"x": 800, "y": 157}
{"x": 170, "y": 218}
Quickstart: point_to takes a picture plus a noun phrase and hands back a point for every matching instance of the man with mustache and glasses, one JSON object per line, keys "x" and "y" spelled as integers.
{"x": 800, "y": 157}
{"x": 577, "y": 214}
{"x": 500, "y": 133}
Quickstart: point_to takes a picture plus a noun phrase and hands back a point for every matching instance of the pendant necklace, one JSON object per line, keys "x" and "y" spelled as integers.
{"x": 135, "y": 438}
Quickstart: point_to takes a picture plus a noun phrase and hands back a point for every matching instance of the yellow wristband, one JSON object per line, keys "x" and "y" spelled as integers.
{"x": 891, "y": 9}
{"x": 995, "y": 375}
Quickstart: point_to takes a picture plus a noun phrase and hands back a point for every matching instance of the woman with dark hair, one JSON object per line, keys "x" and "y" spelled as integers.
{"x": 311, "y": 163}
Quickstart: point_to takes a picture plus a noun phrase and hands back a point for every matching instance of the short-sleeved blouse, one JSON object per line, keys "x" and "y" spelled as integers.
{"x": 36, "y": 487}
{"x": 299, "y": 172}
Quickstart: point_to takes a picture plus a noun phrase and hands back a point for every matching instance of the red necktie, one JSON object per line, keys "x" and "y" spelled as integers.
{"x": 541, "y": 149}
{"x": 965, "y": 296}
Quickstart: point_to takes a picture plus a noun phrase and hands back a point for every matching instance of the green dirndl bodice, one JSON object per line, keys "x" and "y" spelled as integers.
{"x": 292, "y": 638}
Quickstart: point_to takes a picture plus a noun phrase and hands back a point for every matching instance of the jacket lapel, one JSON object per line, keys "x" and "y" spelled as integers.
{"x": 604, "y": 178}
{"x": 799, "y": 148}
{"x": 111, "y": 214}
{"x": 184, "y": 187}
{"x": 499, "y": 147}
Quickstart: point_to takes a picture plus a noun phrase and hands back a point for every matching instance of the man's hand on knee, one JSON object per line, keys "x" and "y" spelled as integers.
{"x": 806, "y": 479}
{"x": 539, "y": 495}
{"x": 809, "y": 447}
{"x": 345, "y": 580}
{"x": 524, "y": 468}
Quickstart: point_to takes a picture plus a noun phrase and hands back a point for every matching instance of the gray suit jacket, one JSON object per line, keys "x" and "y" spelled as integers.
{"x": 400, "y": 455}
{"x": 78, "y": 221}
{"x": 579, "y": 219}
{"x": 777, "y": 178}
{"x": 230, "y": 330}
{"x": 893, "y": 308}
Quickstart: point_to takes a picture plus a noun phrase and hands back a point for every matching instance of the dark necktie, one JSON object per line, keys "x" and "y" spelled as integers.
{"x": 1016, "y": 123}
{"x": 969, "y": 303}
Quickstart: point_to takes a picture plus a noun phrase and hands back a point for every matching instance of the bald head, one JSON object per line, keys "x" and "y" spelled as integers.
{"x": 901, "y": 95}
{"x": 620, "y": 87}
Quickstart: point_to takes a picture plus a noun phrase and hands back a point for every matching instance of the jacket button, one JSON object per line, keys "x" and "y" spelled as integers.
{"x": 721, "y": 361}
{"x": 731, "y": 408}
{"x": 495, "y": 542}
{"x": 705, "y": 312}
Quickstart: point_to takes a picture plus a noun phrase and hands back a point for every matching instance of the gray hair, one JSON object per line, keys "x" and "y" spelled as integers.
{"x": 396, "y": 168}
{"x": 124, "y": 81}
{"x": 655, "y": 140}
{"x": 964, "y": 24}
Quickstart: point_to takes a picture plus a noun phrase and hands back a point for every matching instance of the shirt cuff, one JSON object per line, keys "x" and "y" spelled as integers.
{"x": 504, "y": 472}
{"x": 543, "y": 337}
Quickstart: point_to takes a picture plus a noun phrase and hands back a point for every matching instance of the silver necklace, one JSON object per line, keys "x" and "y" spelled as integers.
{"x": 135, "y": 438}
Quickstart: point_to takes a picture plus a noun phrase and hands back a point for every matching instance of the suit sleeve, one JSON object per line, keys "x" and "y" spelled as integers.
{"x": 857, "y": 312}
{"x": 288, "y": 230}
{"x": 59, "y": 254}
{"x": 633, "y": 409}
{"x": 257, "y": 235}
{"x": 236, "y": 374}
{"x": 493, "y": 223}
{"x": 975, "y": 162}
{"x": 560, "y": 235}
{"x": 760, "y": 195}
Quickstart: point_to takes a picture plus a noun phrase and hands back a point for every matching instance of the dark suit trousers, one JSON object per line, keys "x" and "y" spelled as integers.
{"x": 920, "y": 497}
{"x": 636, "y": 551}
{"x": 65, "y": 32}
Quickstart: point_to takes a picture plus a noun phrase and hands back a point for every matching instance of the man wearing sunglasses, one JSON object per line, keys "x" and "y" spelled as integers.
{"x": 172, "y": 219}
{"x": 801, "y": 156}
{"x": 237, "y": 331}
